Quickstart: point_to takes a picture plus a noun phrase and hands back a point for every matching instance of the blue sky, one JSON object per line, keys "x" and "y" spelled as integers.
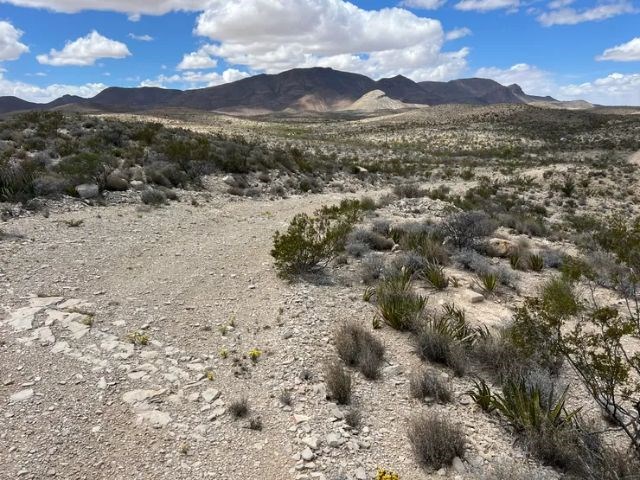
{"x": 586, "y": 49}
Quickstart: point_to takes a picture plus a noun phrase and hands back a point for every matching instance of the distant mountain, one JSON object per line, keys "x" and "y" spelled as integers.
{"x": 300, "y": 89}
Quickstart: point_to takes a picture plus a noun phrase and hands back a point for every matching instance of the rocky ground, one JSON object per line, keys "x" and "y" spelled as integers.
{"x": 125, "y": 340}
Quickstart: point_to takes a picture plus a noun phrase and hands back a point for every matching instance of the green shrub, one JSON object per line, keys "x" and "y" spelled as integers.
{"x": 313, "y": 241}
{"x": 398, "y": 305}
{"x": 536, "y": 262}
{"x": 482, "y": 395}
{"x": 435, "y": 276}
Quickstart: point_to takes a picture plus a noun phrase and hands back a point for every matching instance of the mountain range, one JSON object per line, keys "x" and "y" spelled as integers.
{"x": 301, "y": 89}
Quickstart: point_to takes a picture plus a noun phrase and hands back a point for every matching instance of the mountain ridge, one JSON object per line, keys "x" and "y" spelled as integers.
{"x": 301, "y": 89}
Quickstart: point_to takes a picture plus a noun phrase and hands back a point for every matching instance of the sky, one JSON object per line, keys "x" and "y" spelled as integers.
{"x": 570, "y": 49}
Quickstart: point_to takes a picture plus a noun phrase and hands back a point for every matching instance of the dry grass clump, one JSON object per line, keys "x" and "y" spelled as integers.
{"x": 338, "y": 382}
{"x": 436, "y": 441}
{"x": 426, "y": 383}
{"x": 239, "y": 408}
{"x": 358, "y": 348}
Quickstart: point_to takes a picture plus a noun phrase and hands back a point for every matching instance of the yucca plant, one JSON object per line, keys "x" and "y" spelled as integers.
{"x": 398, "y": 305}
{"x": 488, "y": 282}
{"x": 526, "y": 409}
{"x": 536, "y": 262}
{"x": 482, "y": 396}
{"x": 515, "y": 261}
{"x": 435, "y": 276}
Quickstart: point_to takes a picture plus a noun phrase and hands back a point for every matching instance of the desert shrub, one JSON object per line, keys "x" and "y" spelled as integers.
{"x": 372, "y": 268}
{"x": 482, "y": 396}
{"x": 435, "y": 276}
{"x": 536, "y": 262}
{"x": 426, "y": 383}
{"x": 356, "y": 249}
{"x": 360, "y": 349}
{"x": 255, "y": 423}
{"x": 441, "y": 348}
{"x": 338, "y": 382}
{"x": 398, "y": 305}
{"x": 153, "y": 196}
{"x": 436, "y": 441}
{"x": 370, "y": 239}
{"x": 497, "y": 355}
{"x": 559, "y": 298}
{"x": 409, "y": 190}
{"x": 239, "y": 408}
{"x": 315, "y": 240}
{"x": 464, "y": 229}
{"x": 488, "y": 281}
{"x": 353, "y": 417}
{"x": 410, "y": 262}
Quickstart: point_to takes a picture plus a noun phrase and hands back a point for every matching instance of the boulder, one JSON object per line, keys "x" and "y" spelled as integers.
{"x": 500, "y": 247}
{"x": 116, "y": 181}
{"x": 88, "y": 190}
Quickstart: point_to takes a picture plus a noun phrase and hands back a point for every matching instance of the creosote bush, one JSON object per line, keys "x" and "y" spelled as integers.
{"x": 358, "y": 348}
{"x": 313, "y": 241}
{"x": 436, "y": 441}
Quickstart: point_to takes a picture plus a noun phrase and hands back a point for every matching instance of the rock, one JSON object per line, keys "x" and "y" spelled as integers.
{"x": 474, "y": 297}
{"x": 216, "y": 412}
{"x": 22, "y": 395}
{"x": 116, "y": 181}
{"x": 300, "y": 418}
{"x": 155, "y": 418}
{"x": 307, "y": 454}
{"x": 361, "y": 474}
{"x": 102, "y": 383}
{"x": 44, "y": 301}
{"x": 230, "y": 180}
{"x": 458, "y": 466}
{"x": 88, "y": 190}
{"x": 334, "y": 440}
{"x": 500, "y": 247}
{"x": 210, "y": 395}
{"x": 137, "y": 185}
{"x": 22, "y": 319}
{"x": 136, "y": 396}
{"x": 313, "y": 442}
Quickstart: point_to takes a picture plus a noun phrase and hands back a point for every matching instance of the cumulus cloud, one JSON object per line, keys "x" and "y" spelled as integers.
{"x": 133, "y": 9}
{"x": 487, "y": 5}
{"x": 614, "y": 89}
{"x": 532, "y": 79}
{"x": 458, "y": 33}
{"x": 626, "y": 52}
{"x": 198, "y": 60}
{"x": 10, "y": 46}
{"x": 193, "y": 79}
{"x": 141, "y": 38}
{"x": 34, "y": 93}
{"x": 85, "y": 51}
{"x": 274, "y": 36}
{"x": 570, "y": 16}
{"x": 423, "y": 4}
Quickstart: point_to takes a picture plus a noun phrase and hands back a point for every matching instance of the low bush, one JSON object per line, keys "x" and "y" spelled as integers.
{"x": 464, "y": 229}
{"x": 434, "y": 274}
{"x": 398, "y": 305}
{"x": 426, "y": 383}
{"x": 313, "y": 241}
{"x": 239, "y": 408}
{"x": 338, "y": 382}
{"x": 358, "y": 348}
{"x": 154, "y": 197}
{"x": 436, "y": 441}
{"x": 409, "y": 190}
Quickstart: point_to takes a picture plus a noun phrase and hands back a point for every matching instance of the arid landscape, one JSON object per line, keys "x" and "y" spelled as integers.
{"x": 437, "y": 292}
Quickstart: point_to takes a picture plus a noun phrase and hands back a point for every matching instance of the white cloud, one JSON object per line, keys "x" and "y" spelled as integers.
{"x": 423, "y": 4}
{"x": 141, "y": 38}
{"x": 487, "y": 5}
{"x": 614, "y": 89}
{"x": 198, "y": 60}
{"x": 34, "y": 93}
{"x": 532, "y": 79}
{"x": 10, "y": 46}
{"x": 571, "y": 16}
{"x": 274, "y": 36}
{"x": 192, "y": 79}
{"x": 133, "y": 9}
{"x": 85, "y": 51}
{"x": 458, "y": 33}
{"x": 626, "y": 52}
